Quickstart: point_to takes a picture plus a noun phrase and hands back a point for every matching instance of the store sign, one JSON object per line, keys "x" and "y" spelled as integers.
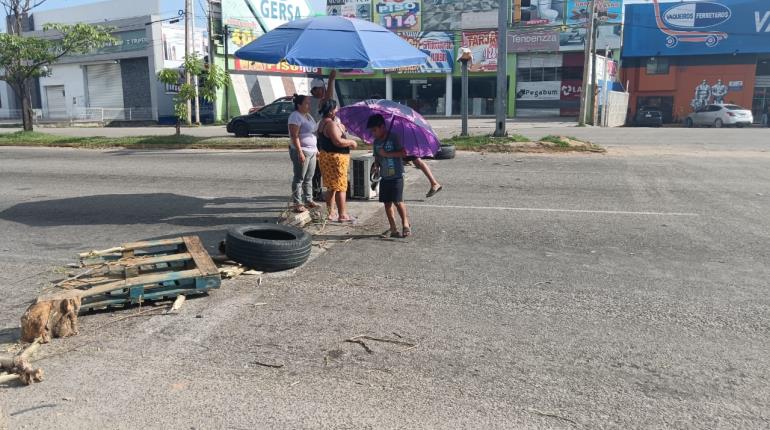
{"x": 283, "y": 67}
{"x": 263, "y": 14}
{"x": 574, "y": 38}
{"x": 459, "y": 15}
{"x": 735, "y": 85}
{"x": 534, "y": 41}
{"x": 483, "y": 46}
{"x": 398, "y": 15}
{"x": 696, "y": 28}
{"x": 571, "y": 90}
{"x": 174, "y": 46}
{"x": 548, "y": 90}
{"x": 438, "y": 45}
{"x": 361, "y": 9}
{"x": 538, "y": 13}
{"x": 609, "y": 11}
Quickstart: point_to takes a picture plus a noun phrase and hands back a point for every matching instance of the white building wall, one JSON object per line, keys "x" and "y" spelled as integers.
{"x": 71, "y": 76}
{"x": 97, "y": 12}
{"x": 5, "y": 103}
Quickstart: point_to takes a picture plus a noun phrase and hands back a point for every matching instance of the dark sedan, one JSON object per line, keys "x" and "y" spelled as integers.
{"x": 270, "y": 120}
{"x": 648, "y": 116}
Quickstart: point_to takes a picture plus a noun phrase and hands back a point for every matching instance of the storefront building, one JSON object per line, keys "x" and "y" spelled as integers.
{"x": 679, "y": 57}
{"x": 240, "y": 22}
{"x": 114, "y": 82}
{"x": 544, "y": 47}
{"x": 438, "y": 28}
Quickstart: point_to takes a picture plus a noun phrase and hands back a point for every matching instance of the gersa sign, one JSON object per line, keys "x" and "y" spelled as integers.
{"x": 697, "y": 28}
{"x": 266, "y": 14}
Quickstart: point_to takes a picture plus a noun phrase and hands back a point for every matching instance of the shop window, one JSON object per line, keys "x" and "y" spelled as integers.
{"x": 539, "y": 74}
{"x": 350, "y": 91}
{"x": 657, "y": 66}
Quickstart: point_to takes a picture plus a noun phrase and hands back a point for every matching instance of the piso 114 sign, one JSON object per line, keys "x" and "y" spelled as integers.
{"x": 398, "y": 15}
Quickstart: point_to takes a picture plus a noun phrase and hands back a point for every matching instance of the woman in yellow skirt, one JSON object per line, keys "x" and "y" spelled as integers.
{"x": 334, "y": 160}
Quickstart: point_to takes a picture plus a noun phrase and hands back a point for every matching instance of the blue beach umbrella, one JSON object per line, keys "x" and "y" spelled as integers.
{"x": 333, "y": 42}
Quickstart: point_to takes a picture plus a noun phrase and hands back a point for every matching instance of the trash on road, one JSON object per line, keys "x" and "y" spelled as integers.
{"x": 117, "y": 277}
{"x": 18, "y": 367}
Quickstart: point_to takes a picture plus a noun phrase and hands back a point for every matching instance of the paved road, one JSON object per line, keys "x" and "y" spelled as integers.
{"x": 626, "y": 290}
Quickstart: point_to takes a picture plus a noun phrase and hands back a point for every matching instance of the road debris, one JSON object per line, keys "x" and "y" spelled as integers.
{"x": 274, "y": 366}
{"x": 19, "y": 367}
{"x": 177, "y": 304}
{"x": 116, "y": 277}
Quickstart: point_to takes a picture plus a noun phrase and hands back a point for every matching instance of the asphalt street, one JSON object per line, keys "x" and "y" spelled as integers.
{"x": 620, "y": 290}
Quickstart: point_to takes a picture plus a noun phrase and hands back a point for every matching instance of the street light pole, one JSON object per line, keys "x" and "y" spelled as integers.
{"x": 587, "y": 63}
{"x": 502, "y": 68}
{"x": 466, "y": 56}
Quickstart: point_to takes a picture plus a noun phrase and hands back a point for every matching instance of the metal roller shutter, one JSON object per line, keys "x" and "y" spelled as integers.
{"x": 105, "y": 86}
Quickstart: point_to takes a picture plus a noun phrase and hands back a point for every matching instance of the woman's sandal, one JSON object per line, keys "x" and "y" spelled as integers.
{"x": 407, "y": 232}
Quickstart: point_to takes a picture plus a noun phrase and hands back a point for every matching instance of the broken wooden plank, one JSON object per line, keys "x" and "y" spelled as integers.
{"x": 203, "y": 261}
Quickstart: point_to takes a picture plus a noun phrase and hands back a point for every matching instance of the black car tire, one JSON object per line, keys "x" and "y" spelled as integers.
{"x": 241, "y": 129}
{"x": 268, "y": 247}
{"x": 688, "y": 122}
{"x": 447, "y": 152}
{"x": 718, "y": 123}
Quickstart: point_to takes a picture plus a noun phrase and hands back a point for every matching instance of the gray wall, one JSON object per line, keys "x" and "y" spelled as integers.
{"x": 136, "y": 83}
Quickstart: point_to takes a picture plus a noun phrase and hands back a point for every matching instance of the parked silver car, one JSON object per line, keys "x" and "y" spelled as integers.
{"x": 720, "y": 116}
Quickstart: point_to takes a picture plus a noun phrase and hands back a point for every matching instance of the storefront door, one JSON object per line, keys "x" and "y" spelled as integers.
{"x": 425, "y": 95}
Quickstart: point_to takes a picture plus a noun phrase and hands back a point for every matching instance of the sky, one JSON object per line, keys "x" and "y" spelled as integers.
{"x": 166, "y": 6}
{"x": 170, "y": 6}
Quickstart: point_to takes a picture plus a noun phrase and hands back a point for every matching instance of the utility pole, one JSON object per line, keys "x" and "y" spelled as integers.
{"x": 187, "y": 51}
{"x": 210, "y": 25}
{"x": 502, "y": 68}
{"x": 587, "y": 63}
{"x": 594, "y": 81}
{"x": 195, "y": 54}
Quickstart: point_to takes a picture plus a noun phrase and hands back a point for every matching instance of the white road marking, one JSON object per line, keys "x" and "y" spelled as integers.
{"x": 578, "y": 211}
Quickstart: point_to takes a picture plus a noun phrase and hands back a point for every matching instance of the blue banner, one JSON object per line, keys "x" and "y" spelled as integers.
{"x": 697, "y": 28}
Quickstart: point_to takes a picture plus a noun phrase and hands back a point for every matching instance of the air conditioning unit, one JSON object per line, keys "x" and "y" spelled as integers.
{"x": 360, "y": 183}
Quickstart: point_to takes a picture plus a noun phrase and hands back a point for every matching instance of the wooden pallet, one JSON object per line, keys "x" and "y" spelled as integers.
{"x": 122, "y": 276}
{"x": 135, "y": 272}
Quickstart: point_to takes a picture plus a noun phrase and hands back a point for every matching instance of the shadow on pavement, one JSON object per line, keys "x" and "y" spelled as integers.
{"x": 157, "y": 208}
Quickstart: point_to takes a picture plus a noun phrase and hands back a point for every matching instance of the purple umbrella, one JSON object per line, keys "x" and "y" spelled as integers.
{"x": 411, "y": 129}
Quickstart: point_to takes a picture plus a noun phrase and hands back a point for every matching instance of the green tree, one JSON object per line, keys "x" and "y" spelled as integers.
{"x": 25, "y": 58}
{"x": 211, "y": 77}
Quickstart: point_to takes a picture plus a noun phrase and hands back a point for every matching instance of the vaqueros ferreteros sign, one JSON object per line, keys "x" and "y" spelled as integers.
{"x": 697, "y": 28}
{"x": 398, "y": 15}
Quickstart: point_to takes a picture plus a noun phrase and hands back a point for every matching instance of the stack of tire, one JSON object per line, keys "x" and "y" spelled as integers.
{"x": 447, "y": 152}
{"x": 268, "y": 247}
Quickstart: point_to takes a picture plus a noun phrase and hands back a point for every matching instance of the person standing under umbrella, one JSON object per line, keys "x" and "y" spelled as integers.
{"x": 334, "y": 160}
{"x": 320, "y": 91}
{"x": 302, "y": 151}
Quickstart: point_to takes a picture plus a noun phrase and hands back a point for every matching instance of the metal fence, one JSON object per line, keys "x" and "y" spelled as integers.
{"x": 100, "y": 115}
